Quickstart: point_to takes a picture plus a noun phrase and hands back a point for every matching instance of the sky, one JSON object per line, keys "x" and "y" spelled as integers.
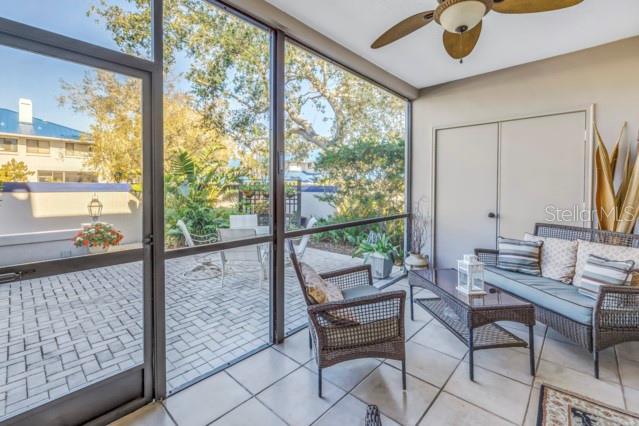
{"x": 36, "y": 77}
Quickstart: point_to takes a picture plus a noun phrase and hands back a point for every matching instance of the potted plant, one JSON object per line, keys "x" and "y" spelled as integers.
{"x": 420, "y": 225}
{"x": 98, "y": 237}
{"x": 381, "y": 255}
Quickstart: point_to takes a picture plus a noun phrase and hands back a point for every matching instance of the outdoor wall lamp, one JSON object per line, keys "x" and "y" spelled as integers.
{"x": 95, "y": 208}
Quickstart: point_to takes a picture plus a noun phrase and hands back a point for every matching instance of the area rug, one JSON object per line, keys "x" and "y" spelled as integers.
{"x": 558, "y": 407}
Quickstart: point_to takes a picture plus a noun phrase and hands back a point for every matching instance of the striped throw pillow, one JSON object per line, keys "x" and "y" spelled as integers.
{"x": 519, "y": 255}
{"x": 600, "y": 271}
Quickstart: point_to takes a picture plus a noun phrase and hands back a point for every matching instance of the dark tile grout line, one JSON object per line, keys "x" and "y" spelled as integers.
{"x": 441, "y": 389}
{"x": 461, "y": 361}
{"x": 383, "y": 362}
{"x": 254, "y": 396}
{"x": 537, "y": 364}
{"x": 168, "y": 413}
{"x": 623, "y": 388}
{"x": 347, "y": 393}
{"x": 299, "y": 366}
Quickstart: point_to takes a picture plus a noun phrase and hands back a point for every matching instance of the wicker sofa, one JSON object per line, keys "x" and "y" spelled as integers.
{"x": 368, "y": 323}
{"x": 593, "y": 324}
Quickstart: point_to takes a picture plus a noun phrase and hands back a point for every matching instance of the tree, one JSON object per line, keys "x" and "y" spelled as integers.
{"x": 369, "y": 176}
{"x": 114, "y": 103}
{"x": 14, "y": 171}
{"x": 222, "y": 63}
{"x": 229, "y": 76}
{"x": 194, "y": 190}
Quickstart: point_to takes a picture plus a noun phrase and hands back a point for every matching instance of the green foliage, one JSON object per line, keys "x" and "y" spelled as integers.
{"x": 355, "y": 127}
{"x": 14, "y": 171}
{"x": 193, "y": 194}
{"x": 368, "y": 174}
{"x": 228, "y": 70}
{"x": 382, "y": 245}
{"x": 351, "y": 238}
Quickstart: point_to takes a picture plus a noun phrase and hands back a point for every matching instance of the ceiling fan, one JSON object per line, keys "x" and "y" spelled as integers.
{"x": 462, "y": 21}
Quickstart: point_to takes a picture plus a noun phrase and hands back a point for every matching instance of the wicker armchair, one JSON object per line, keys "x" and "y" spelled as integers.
{"x": 370, "y": 326}
{"x": 616, "y": 312}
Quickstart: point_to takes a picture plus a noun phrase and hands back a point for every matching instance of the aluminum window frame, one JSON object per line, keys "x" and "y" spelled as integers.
{"x": 153, "y": 254}
{"x": 72, "y": 407}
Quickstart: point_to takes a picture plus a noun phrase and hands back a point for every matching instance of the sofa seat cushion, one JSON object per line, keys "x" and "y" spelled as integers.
{"x": 544, "y": 292}
{"x": 360, "y": 291}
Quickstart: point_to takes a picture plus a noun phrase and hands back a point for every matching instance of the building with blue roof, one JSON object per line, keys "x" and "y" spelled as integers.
{"x": 52, "y": 152}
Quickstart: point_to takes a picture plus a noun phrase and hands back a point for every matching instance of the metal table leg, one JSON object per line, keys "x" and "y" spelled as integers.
{"x": 471, "y": 355}
{"x": 412, "y": 309}
{"x": 531, "y": 345}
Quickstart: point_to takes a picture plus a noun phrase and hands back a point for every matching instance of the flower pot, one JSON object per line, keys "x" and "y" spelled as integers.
{"x": 381, "y": 265}
{"x": 98, "y": 250}
{"x": 416, "y": 261}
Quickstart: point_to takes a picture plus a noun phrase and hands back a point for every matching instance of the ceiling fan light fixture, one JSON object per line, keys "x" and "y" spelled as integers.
{"x": 458, "y": 16}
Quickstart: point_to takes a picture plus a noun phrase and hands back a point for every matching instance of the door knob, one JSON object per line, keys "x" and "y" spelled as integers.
{"x": 492, "y": 215}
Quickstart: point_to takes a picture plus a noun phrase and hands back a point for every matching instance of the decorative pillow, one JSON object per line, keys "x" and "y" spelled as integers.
{"x": 558, "y": 257}
{"x": 519, "y": 256}
{"x": 318, "y": 289}
{"x": 321, "y": 291}
{"x": 600, "y": 271}
{"x": 607, "y": 251}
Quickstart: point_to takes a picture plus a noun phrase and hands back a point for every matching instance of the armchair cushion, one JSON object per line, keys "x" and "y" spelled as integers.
{"x": 545, "y": 292}
{"x": 318, "y": 289}
{"x": 362, "y": 334}
{"x": 360, "y": 291}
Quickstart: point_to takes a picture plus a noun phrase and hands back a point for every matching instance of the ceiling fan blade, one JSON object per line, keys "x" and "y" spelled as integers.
{"x": 404, "y": 28}
{"x": 532, "y": 6}
{"x": 458, "y": 45}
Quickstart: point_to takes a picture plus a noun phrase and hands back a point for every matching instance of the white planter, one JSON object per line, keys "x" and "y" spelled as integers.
{"x": 416, "y": 261}
{"x": 98, "y": 250}
{"x": 381, "y": 265}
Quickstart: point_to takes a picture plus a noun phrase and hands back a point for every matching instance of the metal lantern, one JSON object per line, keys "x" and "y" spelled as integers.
{"x": 470, "y": 275}
{"x": 95, "y": 208}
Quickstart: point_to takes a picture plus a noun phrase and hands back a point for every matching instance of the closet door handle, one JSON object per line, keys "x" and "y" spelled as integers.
{"x": 492, "y": 215}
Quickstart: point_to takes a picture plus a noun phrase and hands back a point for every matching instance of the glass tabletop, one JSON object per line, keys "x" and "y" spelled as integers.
{"x": 446, "y": 280}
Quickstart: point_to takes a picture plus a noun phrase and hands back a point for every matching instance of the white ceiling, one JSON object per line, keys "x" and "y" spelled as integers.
{"x": 506, "y": 40}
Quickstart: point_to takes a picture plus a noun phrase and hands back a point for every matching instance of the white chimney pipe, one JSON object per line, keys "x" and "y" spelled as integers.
{"x": 25, "y": 111}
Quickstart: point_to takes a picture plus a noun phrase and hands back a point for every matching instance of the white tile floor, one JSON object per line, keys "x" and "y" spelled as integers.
{"x": 278, "y": 386}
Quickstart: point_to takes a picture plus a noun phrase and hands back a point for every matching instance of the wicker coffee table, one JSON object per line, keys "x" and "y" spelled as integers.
{"x": 472, "y": 318}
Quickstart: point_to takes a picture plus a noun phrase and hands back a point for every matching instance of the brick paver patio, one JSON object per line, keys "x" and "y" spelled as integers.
{"x": 61, "y": 333}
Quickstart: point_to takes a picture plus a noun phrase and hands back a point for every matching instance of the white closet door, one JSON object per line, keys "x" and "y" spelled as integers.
{"x": 465, "y": 191}
{"x": 542, "y": 168}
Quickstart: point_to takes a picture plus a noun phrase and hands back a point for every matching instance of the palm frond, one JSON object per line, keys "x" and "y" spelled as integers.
{"x": 630, "y": 205}
{"x": 605, "y": 195}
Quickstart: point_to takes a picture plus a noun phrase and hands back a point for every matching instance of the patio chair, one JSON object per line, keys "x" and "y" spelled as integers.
{"x": 300, "y": 248}
{"x": 206, "y": 268}
{"x": 368, "y": 323}
{"x": 248, "y": 259}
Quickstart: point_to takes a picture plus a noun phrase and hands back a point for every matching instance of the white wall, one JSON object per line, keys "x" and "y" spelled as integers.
{"x": 40, "y": 225}
{"x": 313, "y": 206}
{"x": 56, "y": 160}
{"x": 607, "y": 76}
